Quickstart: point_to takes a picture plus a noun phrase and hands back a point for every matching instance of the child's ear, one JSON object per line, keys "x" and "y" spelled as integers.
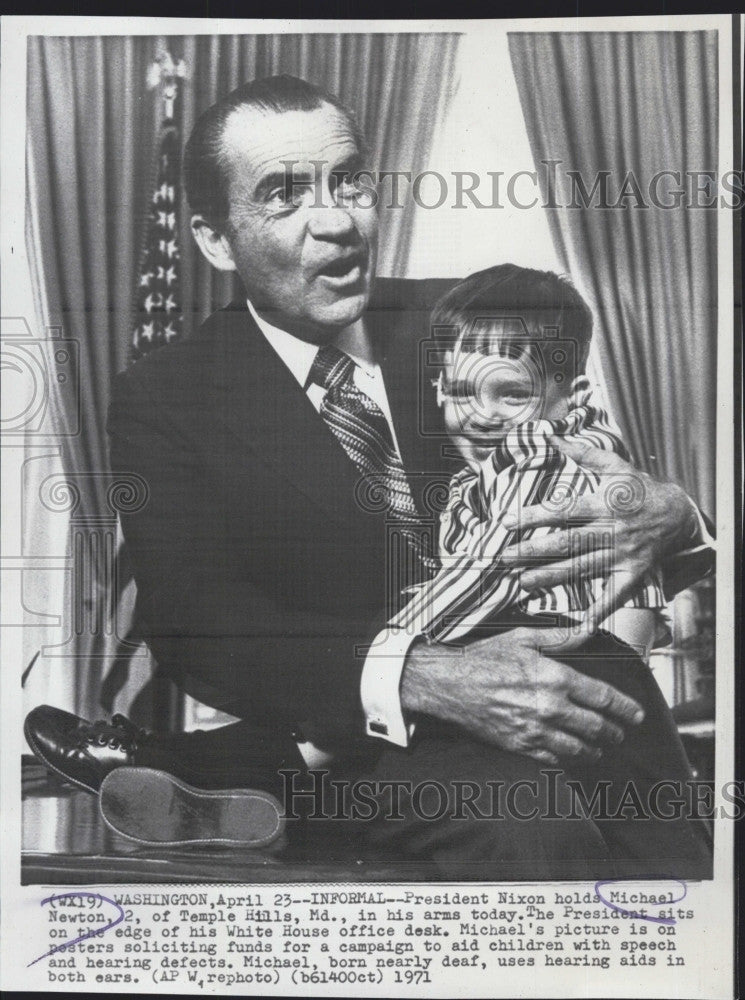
{"x": 447, "y": 362}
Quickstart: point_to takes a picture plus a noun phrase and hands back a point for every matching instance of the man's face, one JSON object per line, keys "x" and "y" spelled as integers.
{"x": 305, "y": 251}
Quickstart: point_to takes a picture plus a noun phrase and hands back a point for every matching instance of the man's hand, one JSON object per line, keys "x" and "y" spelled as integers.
{"x": 503, "y": 690}
{"x": 650, "y": 520}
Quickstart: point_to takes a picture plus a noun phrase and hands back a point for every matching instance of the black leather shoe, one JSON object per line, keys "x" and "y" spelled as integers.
{"x": 81, "y": 752}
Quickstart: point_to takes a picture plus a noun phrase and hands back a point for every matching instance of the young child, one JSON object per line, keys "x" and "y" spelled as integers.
{"x": 515, "y": 344}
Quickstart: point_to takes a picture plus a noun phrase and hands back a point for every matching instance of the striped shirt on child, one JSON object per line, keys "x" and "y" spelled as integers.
{"x": 472, "y": 587}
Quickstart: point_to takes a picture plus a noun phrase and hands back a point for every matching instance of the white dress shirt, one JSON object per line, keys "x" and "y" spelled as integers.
{"x": 381, "y": 673}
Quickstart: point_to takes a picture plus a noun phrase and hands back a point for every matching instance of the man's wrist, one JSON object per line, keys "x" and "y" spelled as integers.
{"x": 409, "y": 691}
{"x": 690, "y": 525}
{"x": 421, "y": 679}
{"x": 692, "y": 558}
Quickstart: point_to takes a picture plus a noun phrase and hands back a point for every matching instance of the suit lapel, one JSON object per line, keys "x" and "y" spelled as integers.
{"x": 271, "y": 416}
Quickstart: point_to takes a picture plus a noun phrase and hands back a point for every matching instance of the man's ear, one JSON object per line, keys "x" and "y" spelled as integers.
{"x": 214, "y": 245}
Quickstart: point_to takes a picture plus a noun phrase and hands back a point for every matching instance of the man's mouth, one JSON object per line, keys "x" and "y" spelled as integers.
{"x": 343, "y": 271}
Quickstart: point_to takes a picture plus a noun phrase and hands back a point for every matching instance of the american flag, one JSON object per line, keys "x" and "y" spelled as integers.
{"x": 159, "y": 317}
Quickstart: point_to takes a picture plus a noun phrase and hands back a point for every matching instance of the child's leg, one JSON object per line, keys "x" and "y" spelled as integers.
{"x": 650, "y": 799}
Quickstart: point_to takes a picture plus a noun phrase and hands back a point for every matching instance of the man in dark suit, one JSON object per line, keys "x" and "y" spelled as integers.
{"x": 265, "y": 563}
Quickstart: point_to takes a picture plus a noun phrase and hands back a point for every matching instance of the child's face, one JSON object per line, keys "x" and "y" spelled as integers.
{"x": 483, "y": 397}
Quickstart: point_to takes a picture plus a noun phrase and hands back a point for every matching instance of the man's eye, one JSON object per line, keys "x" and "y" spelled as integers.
{"x": 287, "y": 195}
{"x": 279, "y": 196}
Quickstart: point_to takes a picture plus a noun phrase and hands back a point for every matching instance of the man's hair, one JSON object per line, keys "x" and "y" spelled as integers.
{"x": 509, "y": 309}
{"x": 206, "y": 162}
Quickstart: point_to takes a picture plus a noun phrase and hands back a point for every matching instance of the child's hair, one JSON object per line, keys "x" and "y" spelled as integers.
{"x": 517, "y": 311}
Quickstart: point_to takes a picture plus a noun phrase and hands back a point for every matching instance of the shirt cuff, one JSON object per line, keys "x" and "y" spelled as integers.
{"x": 380, "y": 684}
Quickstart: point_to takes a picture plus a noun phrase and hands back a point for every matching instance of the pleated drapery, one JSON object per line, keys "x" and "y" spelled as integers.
{"x": 91, "y": 128}
{"x": 639, "y": 103}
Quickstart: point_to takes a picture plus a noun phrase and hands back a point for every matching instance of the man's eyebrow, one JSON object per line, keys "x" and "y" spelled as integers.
{"x": 349, "y": 165}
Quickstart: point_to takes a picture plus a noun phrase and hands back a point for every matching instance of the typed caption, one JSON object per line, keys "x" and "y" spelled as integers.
{"x": 325, "y": 940}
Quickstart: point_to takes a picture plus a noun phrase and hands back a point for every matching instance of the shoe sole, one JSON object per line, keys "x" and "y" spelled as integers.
{"x": 48, "y": 764}
{"x": 152, "y": 807}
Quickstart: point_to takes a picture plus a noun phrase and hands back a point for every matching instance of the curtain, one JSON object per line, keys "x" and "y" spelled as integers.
{"x": 92, "y": 132}
{"x": 640, "y": 103}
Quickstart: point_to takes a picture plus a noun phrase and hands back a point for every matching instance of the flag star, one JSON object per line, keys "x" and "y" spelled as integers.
{"x": 167, "y": 220}
{"x": 164, "y": 193}
{"x": 158, "y": 281}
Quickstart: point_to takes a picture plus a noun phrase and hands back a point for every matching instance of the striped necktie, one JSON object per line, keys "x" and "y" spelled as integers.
{"x": 363, "y": 431}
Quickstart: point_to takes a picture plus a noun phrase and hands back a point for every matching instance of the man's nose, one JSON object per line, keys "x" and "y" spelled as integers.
{"x": 332, "y": 222}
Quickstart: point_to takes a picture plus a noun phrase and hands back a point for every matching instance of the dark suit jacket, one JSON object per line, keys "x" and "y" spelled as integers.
{"x": 260, "y": 575}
